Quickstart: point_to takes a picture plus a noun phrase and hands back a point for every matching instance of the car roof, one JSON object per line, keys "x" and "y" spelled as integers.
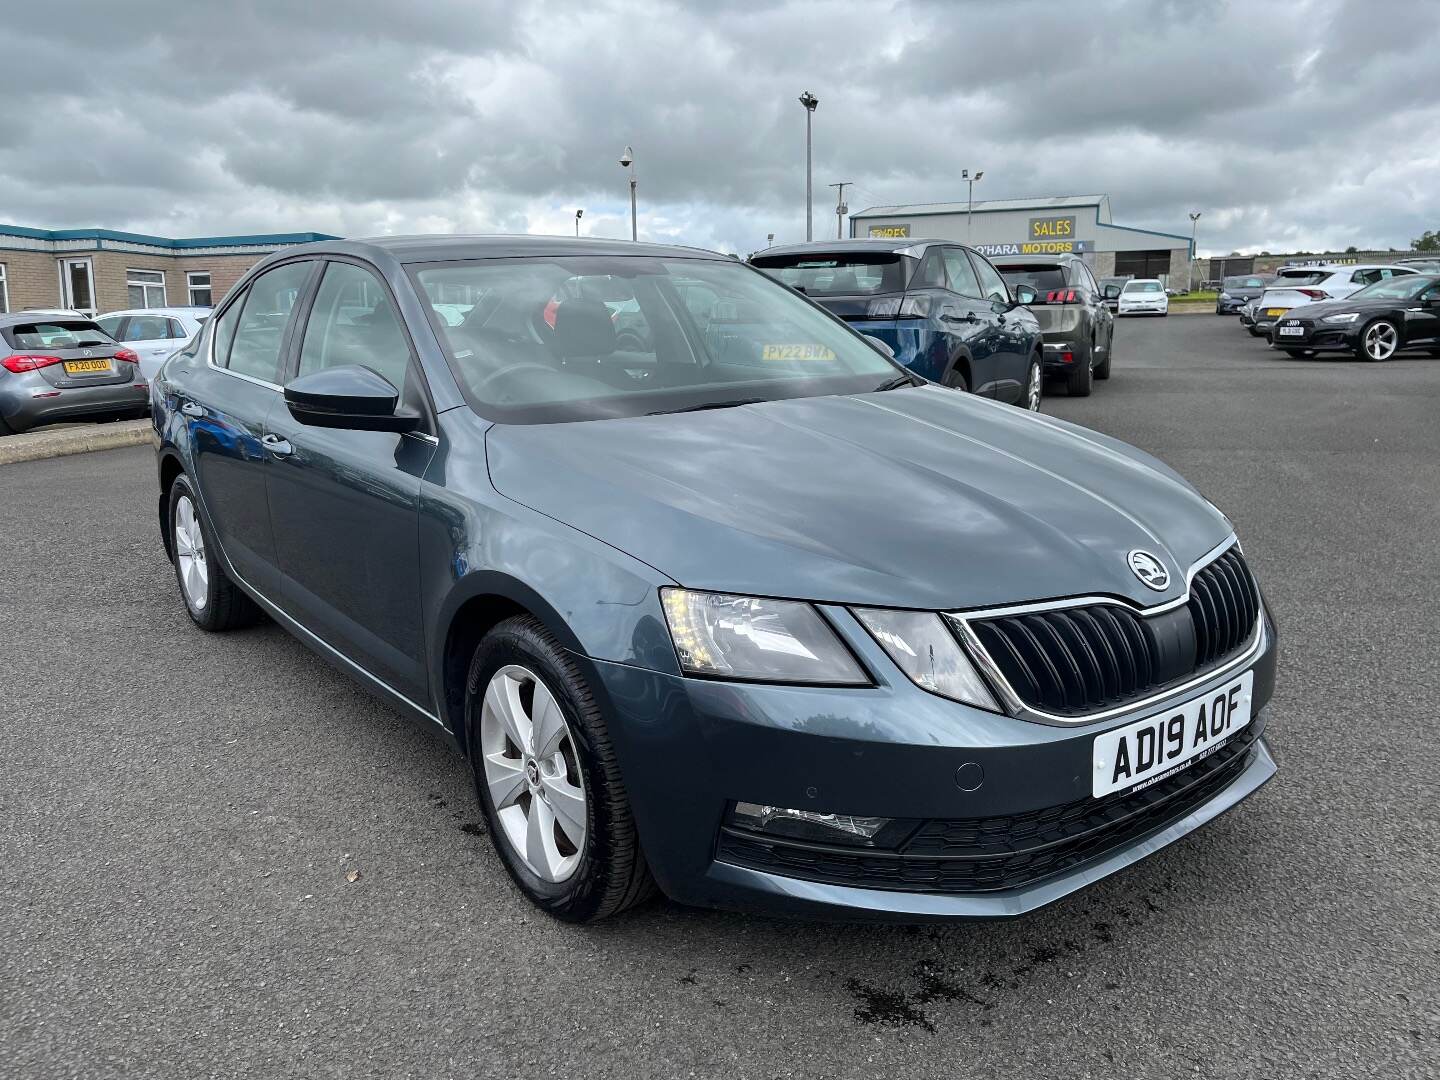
{"x": 1035, "y": 260}
{"x": 450, "y": 247}
{"x": 854, "y": 245}
{"x": 192, "y": 311}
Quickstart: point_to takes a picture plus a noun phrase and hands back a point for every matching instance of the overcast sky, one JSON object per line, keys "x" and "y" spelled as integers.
{"x": 1293, "y": 126}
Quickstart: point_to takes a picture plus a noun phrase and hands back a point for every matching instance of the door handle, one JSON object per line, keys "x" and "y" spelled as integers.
{"x": 189, "y": 408}
{"x": 276, "y": 445}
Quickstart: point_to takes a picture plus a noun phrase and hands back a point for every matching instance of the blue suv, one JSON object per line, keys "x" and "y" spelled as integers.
{"x": 942, "y": 308}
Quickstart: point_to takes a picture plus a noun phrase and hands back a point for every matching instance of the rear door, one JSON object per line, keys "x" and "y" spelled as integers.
{"x": 967, "y": 317}
{"x": 225, "y": 402}
{"x": 1013, "y": 336}
{"x": 345, "y": 504}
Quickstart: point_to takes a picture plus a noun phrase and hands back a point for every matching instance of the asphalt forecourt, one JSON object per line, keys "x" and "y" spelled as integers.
{"x": 220, "y": 857}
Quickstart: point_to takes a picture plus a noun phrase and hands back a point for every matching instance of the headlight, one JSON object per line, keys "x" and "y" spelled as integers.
{"x": 1344, "y": 317}
{"x": 923, "y": 647}
{"x": 743, "y": 637}
{"x": 1224, "y": 296}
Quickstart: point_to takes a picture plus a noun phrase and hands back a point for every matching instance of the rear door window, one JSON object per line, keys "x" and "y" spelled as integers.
{"x": 147, "y": 328}
{"x": 264, "y": 319}
{"x": 990, "y": 280}
{"x": 961, "y": 273}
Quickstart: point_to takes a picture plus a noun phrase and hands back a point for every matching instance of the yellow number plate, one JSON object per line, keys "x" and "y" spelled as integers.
{"x": 1276, "y": 311}
{"x": 797, "y": 352}
{"x": 86, "y": 367}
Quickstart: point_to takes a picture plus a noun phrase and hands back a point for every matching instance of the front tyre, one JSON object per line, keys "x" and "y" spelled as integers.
{"x": 1379, "y": 341}
{"x": 546, "y": 776}
{"x": 214, "y": 601}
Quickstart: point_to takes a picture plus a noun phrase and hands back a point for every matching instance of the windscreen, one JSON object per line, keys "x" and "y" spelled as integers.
{"x": 1041, "y": 277}
{"x": 548, "y": 340}
{"x": 1404, "y": 287}
{"x": 60, "y": 334}
{"x": 836, "y": 275}
{"x": 1244, "y": 283}
{"x": 1142, "y": 286}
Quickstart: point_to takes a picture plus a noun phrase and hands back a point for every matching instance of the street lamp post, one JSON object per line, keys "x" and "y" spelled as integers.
{"x": 1194, "y": 220}
{"x": 810, "y": 101}
{"x": 627, "y": 161}
{"x": 970, "y": 199}
{"x": 578, "y": 215}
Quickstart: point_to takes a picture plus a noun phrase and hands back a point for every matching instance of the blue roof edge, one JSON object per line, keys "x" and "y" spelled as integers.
{"x": 165, "y": 241}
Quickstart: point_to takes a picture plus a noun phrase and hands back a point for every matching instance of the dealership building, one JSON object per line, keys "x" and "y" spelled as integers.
{"x": 1068, "y": 224}
{"x": 98, "y": 270}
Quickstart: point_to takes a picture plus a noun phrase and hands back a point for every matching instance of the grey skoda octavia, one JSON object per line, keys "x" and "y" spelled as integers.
{"x": 729, "y": 604}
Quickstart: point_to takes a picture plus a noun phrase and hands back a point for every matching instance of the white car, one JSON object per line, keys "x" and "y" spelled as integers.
{"x": 1143, "y": 296}
{"x": 154, "y": 333}
{"x": 1295, "y": 286}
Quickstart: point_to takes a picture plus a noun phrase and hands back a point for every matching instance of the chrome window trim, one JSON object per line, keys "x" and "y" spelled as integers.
{"x": 1014, "y": 705}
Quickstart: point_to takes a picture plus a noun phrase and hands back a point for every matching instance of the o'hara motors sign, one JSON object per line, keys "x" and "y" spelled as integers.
{"x": 889, "y": 232}
{"x": 1037, "y": 247}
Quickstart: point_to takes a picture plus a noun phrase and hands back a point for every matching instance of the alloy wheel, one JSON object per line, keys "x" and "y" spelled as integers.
{"x": 190, "y": 554}
{"x": 533, "y": 773}
{"x": 1380, "y": 341}
{"x": 1033, "y": 388}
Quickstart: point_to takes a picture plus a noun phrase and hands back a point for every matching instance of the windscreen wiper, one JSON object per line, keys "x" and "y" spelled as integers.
{"x": 710, "y": 405}
{"x": 895, "y": 384}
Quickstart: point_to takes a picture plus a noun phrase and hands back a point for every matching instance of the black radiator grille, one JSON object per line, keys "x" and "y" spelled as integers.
{"x": 1078, "y": 660}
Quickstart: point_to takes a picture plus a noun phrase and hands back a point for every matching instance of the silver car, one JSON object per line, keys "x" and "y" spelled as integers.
{"x": 56, "y": 368}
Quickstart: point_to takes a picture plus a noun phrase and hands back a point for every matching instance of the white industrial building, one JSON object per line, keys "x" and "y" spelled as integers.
{"x": 1073, "y": 224}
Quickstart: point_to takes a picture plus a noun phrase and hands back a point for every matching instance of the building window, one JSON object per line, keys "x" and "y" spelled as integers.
{"x": 198, "y": 282}
{"x": 4, "y": 291}
{"x": 146, "y": 288}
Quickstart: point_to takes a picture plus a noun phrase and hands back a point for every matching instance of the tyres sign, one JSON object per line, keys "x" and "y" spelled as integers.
{"x": 889, "y": 232}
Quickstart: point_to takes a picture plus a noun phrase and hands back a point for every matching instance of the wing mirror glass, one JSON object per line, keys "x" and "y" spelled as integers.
{"x": 1026, "y": 294}
{"x": 352, "y": 397}
{"x": 1112, "y": 292}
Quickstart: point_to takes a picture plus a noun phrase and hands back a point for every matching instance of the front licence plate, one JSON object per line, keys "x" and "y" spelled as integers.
{"x": 87, "y": 367}
{"x": 1143, "y": 753}
{"x": 1276, "y": 310}
{"x": 1291, "y": 331}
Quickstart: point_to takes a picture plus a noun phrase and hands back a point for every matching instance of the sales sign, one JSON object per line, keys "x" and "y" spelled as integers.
{"x": 1052, "y": 228}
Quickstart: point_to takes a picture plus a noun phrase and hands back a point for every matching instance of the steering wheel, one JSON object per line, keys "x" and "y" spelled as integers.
{"x": 482, "y": 388}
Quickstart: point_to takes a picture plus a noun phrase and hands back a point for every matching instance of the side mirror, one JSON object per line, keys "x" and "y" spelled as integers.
{"x": 884, "y": 348}
{"x": 1112, "y": 292}
{"x": 1026, "y": 294}
{"x": 351, "y": 397}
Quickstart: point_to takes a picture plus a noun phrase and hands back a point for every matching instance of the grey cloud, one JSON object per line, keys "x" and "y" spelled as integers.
{"x": 1303, "y": 126}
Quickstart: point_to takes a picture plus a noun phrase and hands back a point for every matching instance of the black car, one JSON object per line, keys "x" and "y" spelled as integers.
{"x": 1236, "y": 292}
{"x": 1373, "y": 323}
{"x": 941, "y": 309}
{"x": 1070, "y": 306}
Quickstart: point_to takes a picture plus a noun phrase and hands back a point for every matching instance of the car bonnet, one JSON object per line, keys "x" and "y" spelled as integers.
{"x": 918, "y": 498}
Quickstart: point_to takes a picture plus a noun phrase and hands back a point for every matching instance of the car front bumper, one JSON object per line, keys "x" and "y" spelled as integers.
{"x": 1343, "y": 337}
{"x": 1143, "y": 309}
{"x": 689, "y": 748}
{"x": 1230, "y": 305}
